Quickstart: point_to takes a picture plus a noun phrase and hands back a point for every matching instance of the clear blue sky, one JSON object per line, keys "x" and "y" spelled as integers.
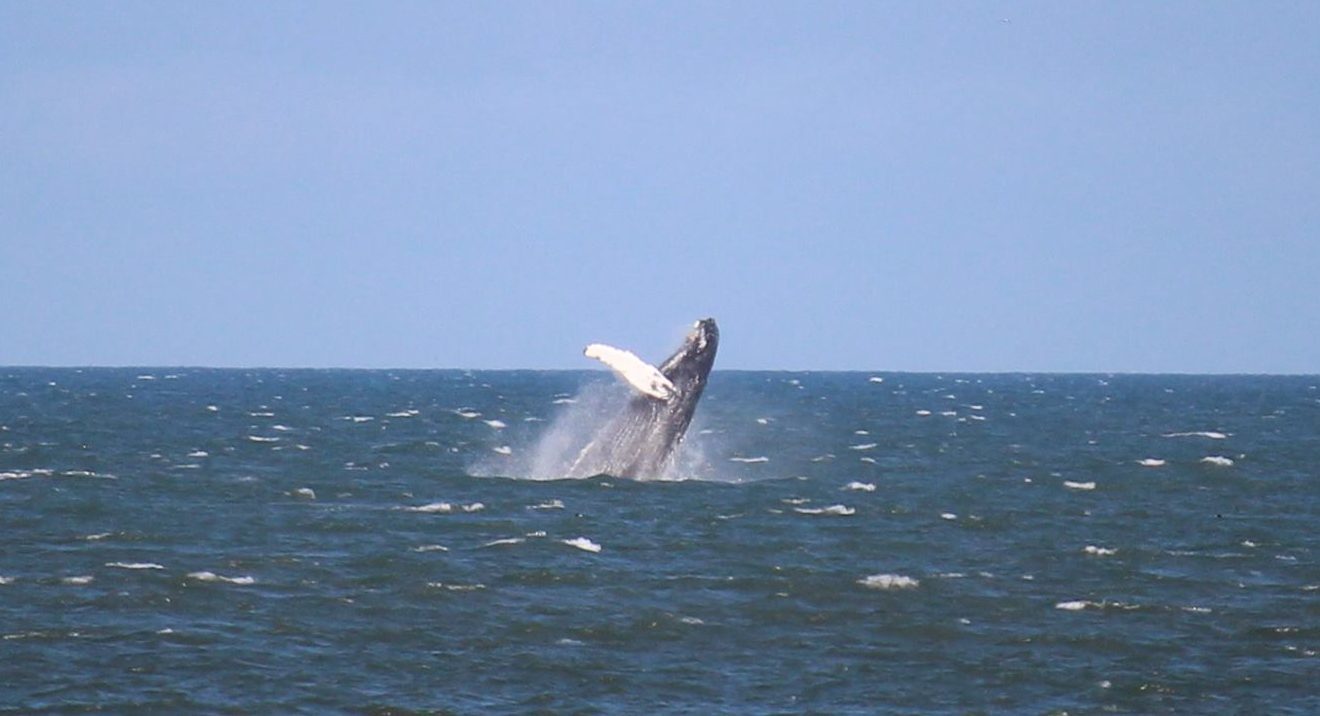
{"x": 1052, "y": 186}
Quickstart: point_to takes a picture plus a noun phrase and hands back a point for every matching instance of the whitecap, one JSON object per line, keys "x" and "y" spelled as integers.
{"x": 867, "y": 459}
{"x": 838, "y": 510}
{"x": 948, "y": 413}
{"x": 693, "y": 621}
{"x": 430, "y": 548}
{"x": 456, "y": 587}
{"x": 1078, "y": 485}
{"x": 79, "y": 580}
{"x": 1077, "y": 605}
{"x": 750, "y": 460}
{"x": 474, "y": 507}
{"x": 564, "y": 401}
{"x": 888, "y": 581}
{"x": 860, "y": 486}
{"x": 1151, "y": 462}
{"x": 1217, "y": 461}
{"x": 923, "y": 413}
{"x": 403, "y": 414}
{"x": 6, "y": 580}
{"x": 213, "y": 408}
{"x": 863, "y": 446}
{"x": 198, "y": 453}
{"x": 875, "y": 379}
{"x": 1099, "y": 551}
{"x": 1197, "y": 610}
{"x": 213, "y": 577}
{"x": 548, "y": 505}
{"x": 583, "y": 544}
{"x": 507, "y": 540}
{"x": 432, "y": 508}
{"x": 503, "y": 450}
{"x": 497, "y": 424}
{"x": 260, "y": 439}
{"x": 1212, "y": 434}
{"x": 763, "y": 421}
{"x": 469, "y": 414}
{"x": 281, "y": 428}
{"x": 948, "y": 516}
{"x": 305, "y": 492}
{"x": 135, "y": 565}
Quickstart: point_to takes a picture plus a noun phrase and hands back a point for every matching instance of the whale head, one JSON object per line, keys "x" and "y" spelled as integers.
{"x": 689, "y": 366}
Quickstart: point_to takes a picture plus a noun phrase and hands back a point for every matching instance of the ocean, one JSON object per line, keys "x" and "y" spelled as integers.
{"x": 389, "y": 542}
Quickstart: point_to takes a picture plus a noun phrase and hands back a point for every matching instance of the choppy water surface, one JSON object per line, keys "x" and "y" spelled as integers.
{"x": 368, "y": 541}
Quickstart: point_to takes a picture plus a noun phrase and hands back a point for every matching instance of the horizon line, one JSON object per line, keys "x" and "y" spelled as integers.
{"x": 871, "y": 371}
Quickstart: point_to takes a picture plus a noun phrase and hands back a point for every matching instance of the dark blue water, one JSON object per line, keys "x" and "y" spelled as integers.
{"x": 203, "y": 541}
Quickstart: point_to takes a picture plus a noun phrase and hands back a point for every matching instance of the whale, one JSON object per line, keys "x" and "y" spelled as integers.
{"x": 640, "y": 441}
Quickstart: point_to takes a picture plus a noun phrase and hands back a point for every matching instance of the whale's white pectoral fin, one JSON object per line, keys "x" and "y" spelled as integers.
{"x": 642, "y": 376}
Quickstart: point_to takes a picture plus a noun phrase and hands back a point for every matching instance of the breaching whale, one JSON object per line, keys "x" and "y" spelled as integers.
{"x": 640, "y": 441}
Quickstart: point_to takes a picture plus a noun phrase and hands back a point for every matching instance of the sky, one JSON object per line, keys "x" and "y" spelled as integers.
{"x": 996, "y": 186}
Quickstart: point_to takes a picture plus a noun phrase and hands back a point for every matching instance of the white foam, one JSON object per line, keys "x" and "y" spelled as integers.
{"x": 867, "y": 459}
{"x": 213, "y": 577}
{"x": 1099, "y": 551}
{"x": 497, "y": 424}
{"x": 1197, "y": 610}
{"x": 875, "y": 379}
{"x": 134, "y": 565}
{"x": 281, "y": 428}
{"x": 1217, "y": 461}
{"x": 838, "y": 510}
{"x": 404, "y": 414}
{"x": 642, "y": 376}
{"x": 860, "y": 486}
{"x": 948, "y": 413}
{"x": 583, "y": 544}
{"x": 507, "y": 540}
{"x": 260, "y": 439}
{"x": 262, "y": 415}
{"x": 456, "y": 587}
{"x": 468, "y": 414}
{"x": 923, "y": 413}
{"x": 1077, "y": 605}
{"x": 888, "y": 581}
{"x": 763, "y": 421}
{"x": 750, "y": 460}
{"x": 549, "y": 505}
{"x": 1212, "y": 434}
{"x": 213, "y": 408}
{"x": 564, "y": 401}
{"x": 198, "y": 453}
{"x": 474, "y": 507}
{"x": 503, "y": 450}
{"x": 79, "y": 580}
{"x": 6, "y": 580}
{"x": 305, "y": 492}
{"x": 430, "y": 548}
{"x": 863, "y": 446}
{"x": 1151, "y": 462}
{"x": 1078, "y": 485}
{"x": 948, "y": 516}
{"x": 432, "y": 508}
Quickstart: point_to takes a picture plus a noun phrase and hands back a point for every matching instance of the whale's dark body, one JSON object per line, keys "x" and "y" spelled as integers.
{"x": 640, "y": 441}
